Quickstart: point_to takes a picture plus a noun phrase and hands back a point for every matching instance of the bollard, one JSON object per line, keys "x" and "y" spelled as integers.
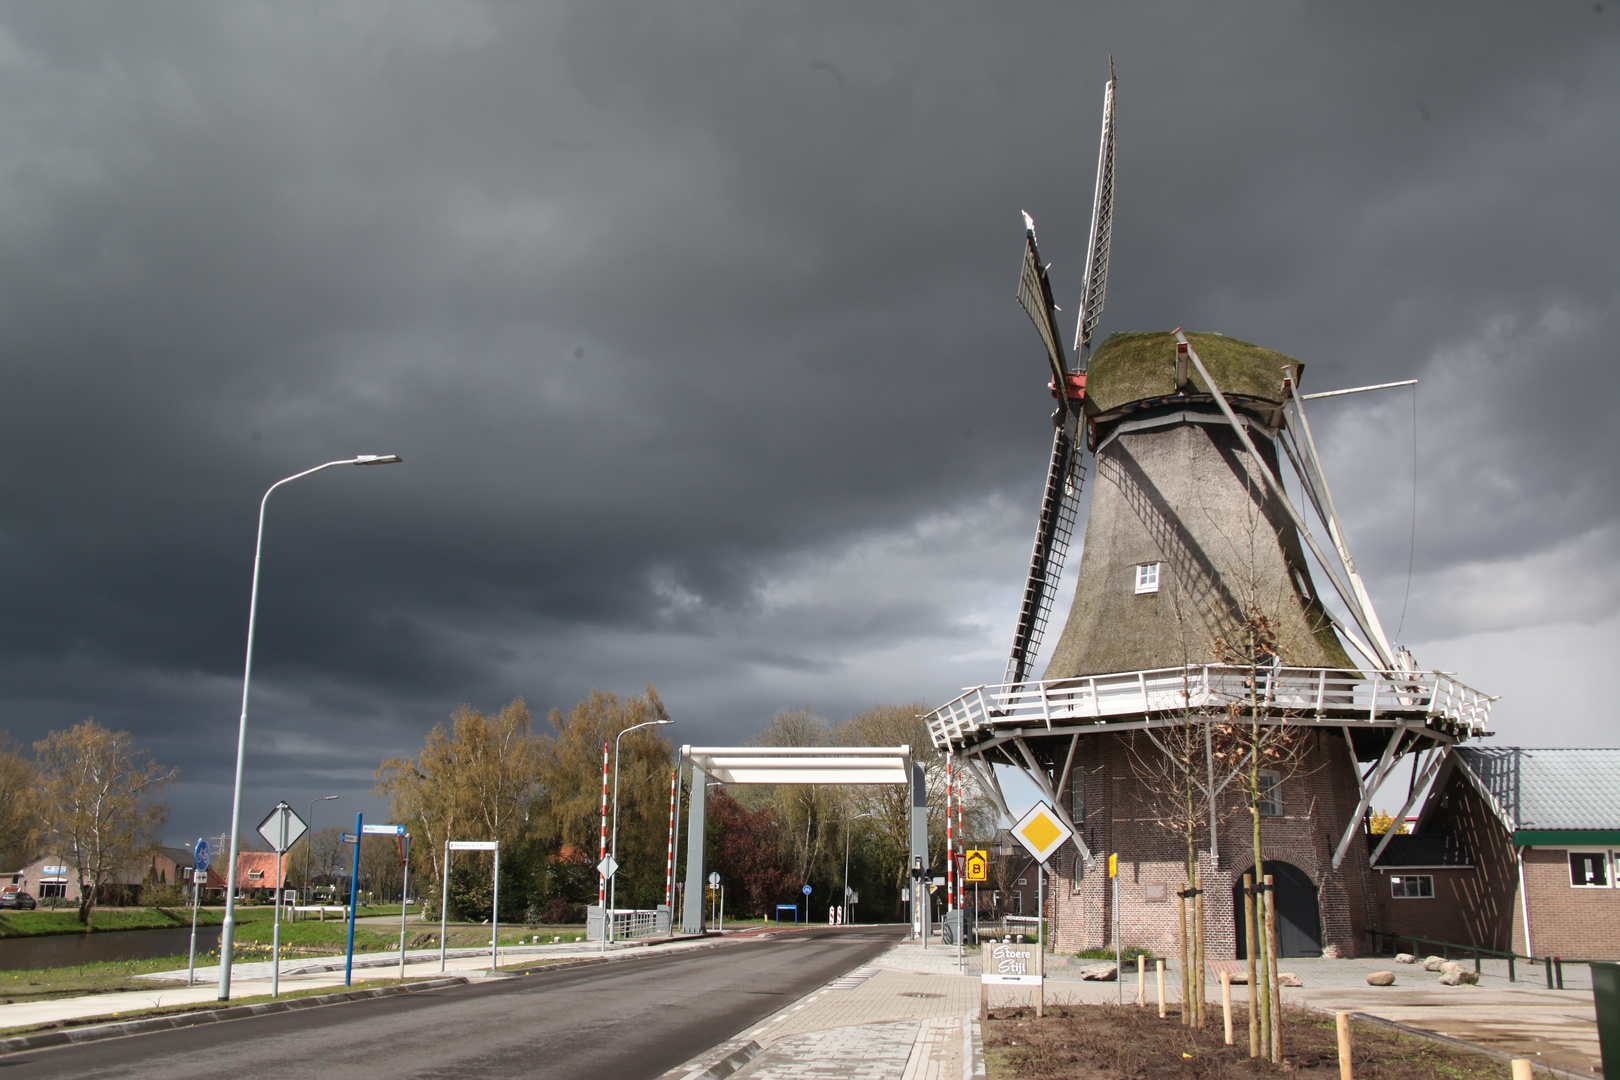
{"x": 1160, "y": 962}
{"x": 1226, "y": 1005}
{"x": 1345, "y": 1072}
{"x": 1141, "y": 980}
{"x": 1558, "y": 965}
{"x": 1522, "y": 1069}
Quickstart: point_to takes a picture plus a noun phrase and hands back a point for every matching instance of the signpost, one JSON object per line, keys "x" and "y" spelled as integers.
{"x": 354, "y": 883}
{"x": 606, "y": 869}
{"x": 1119, "y": 954}
{"x": 976, "y": 868}
{"x": 806, "y": 891}
{"x": 444, "y": 903}
{"x": 1042, "y": 833}
{"x": 404, "y": 893}
{"x": 199, "y": 865}
{"x": 282, "y": 828}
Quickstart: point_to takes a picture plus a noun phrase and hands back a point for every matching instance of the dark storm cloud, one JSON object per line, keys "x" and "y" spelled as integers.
{"x": 694, "y": 326}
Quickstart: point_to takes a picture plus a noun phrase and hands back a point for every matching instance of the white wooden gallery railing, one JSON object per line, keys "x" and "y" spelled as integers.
{"x": 1316, "y": 693}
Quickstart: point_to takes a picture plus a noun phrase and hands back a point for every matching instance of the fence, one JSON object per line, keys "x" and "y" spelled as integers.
{"x": 628, "y": 923}
{"x": 1554, "y": 965}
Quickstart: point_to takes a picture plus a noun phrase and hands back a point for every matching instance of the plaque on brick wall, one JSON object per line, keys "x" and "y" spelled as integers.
{"x": 1155, "y": 893}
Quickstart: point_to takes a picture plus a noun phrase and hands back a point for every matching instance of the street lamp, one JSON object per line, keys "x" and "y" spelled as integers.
{"x": 613, "y": 886}
{"x": 845, "y": 905}
{"x": 309, "y": 842}
{"x": 227, "y": 933}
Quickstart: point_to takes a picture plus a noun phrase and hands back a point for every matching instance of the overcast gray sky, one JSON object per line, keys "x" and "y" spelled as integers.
{"x": 694, "y": 324}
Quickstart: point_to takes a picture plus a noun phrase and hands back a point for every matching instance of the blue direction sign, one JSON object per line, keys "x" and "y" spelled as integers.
{"x": 348, "y": 838}
{"x": 199, "y": 856}
{"x": 805, "y": 890}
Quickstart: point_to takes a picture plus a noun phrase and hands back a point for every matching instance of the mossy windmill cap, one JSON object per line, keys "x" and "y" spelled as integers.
{"x": 1138, "y": 371}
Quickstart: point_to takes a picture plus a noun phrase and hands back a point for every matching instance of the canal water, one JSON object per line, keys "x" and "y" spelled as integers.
{"x": 67, "y": 950}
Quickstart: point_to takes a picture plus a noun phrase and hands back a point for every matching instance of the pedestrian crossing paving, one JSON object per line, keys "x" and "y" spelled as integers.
{"x": 853, "y": 979}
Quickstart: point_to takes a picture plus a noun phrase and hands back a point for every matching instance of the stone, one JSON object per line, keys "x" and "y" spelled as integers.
{"x": 1238, "y": 978}
{"x": 1099, "y": 972}
{"x": 1332, "y": 952}
{"x": 1450, "y": 965}
{"x": 1405, "y": 958}
{"x": 1381, "y": 978}
{"x": 1432, "y": 963}
{"x": 1459, "y": 976}
{"x": 1288, "y": 978}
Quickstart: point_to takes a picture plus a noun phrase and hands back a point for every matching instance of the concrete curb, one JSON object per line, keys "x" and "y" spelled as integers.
{"x": 733, "y": 1059}
{"x": 64, "y": 1037}
{"x": 972, "y": 1047}
{"x": 1464, "y": 1044}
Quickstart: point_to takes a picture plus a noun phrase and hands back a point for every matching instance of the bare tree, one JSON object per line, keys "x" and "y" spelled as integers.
{"x": 19, "y": 815}
{"x": 97, "y": 795}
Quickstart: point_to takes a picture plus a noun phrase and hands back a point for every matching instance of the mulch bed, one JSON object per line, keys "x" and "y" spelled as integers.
{"x": 1112, "y": 1042}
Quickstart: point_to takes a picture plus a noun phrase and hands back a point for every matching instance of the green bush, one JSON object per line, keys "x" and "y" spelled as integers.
{"x": 162, "y": 895}
{"x": 1128, "y": 955}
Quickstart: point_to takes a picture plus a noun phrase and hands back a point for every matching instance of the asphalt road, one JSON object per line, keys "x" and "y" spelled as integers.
{"x": 631, "y": 1020}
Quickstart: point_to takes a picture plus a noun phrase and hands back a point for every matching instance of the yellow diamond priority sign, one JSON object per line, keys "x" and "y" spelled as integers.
{"x": 978, "y": 867}
{"x": 1041, "y": 832}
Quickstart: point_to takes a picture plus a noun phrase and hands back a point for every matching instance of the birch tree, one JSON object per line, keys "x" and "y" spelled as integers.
{"x": 97, "y": 796}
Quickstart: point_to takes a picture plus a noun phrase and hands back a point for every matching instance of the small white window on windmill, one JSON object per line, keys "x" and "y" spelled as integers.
{"x": 1147, "y": 577}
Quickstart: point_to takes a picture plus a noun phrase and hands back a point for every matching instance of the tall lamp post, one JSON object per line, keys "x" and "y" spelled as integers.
{"x": 227, "y": 935}
{"x": 309, "y": 842}
{"x": 613, "y": 886}
{"x": 845, "y": 905}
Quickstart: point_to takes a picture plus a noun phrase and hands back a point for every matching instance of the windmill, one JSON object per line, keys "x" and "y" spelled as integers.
{"x": 1192, "y": 530}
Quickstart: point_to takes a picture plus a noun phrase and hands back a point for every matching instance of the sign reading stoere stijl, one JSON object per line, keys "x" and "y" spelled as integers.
{"x": 1011, "y": 965}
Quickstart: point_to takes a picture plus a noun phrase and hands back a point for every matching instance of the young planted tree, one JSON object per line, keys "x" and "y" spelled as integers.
{"x": 98, "y": 806}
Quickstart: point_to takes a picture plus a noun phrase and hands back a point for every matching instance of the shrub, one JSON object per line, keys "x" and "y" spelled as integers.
{"x": 162, "y": 895}
{"x": 1129, "y": 954}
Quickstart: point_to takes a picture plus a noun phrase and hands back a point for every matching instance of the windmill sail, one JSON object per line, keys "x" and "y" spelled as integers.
{"x": 1059, "y": 504}
{"x": 1102, "y": 231}
{"x": 1035, "y": 296}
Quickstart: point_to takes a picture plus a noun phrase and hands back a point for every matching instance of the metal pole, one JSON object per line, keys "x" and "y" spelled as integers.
{"x": 1119, "y": 948}
{"x": 404, "y": 891}
{"x": 227, "y": 930}
{"x": 444, "y": 905}
{"x": 495, "y": 915}
{"x": 191, "y": 964}
{"x": 669, "y": 859}
{"x": 275, "y": 929}
{"x": 354, "y": 887}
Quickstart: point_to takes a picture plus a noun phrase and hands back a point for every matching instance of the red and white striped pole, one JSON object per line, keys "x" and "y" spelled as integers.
{"x": 601, "y": 879}
{"x": 961, "y": 838}
{"x": 669, "y": 862}
{"x": 950, "y": 844}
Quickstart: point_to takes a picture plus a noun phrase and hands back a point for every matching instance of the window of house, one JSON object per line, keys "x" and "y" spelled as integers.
{"x": 1017, "y": 902}
{"x": 1589, "y": 869}
{"x": 255, "y": 875}
{"x": 1147, "y": 577}
{"x": 53, "y": 888}
{"x": 1270, "y": 793}
{"x": 1411, "y": 886}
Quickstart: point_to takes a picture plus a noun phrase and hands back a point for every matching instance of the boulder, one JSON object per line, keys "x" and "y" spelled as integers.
{"x": 1238, "y": 978}
{"x": 1288, "y": 978}
{"x": 1459, "y": 976}
{"x": 1432, "y": 963}
{"x": 1405, "y": 958}
{"x": 1381, "y": 978}
{"x": 1451, "y": 965}
{"x": 1099, "y": 972}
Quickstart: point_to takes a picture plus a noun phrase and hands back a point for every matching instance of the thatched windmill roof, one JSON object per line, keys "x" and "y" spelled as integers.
{"x": 1134, "y": 371}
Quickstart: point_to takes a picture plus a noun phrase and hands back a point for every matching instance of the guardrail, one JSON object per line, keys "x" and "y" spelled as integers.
{"x": 1554, "y": 965}
{"x": 1319, "y": 692}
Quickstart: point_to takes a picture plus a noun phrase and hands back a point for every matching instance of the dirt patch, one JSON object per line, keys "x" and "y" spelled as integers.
{"x": 1111, "y": 1042}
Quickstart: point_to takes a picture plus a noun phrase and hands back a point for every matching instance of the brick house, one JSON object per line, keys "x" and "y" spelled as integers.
{"x": 1540, "y": 830}
{"x": 256, "y": 874}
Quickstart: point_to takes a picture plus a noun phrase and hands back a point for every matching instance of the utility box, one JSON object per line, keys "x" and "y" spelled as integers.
{"x": 1606, "y": 995}
{"x": 951, "y": 931}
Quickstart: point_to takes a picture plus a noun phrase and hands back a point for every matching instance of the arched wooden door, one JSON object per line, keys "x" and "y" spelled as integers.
{"x": 1299, "y": 917}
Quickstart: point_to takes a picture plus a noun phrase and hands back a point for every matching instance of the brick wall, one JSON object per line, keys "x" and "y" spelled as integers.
{"x": 1118, "y": 817}
{"x": 1481, "y": 906}
{"x": 1564, "y": 920}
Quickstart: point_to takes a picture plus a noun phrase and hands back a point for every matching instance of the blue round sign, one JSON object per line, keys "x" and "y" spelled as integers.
{"x": 806, "y": 890}
{"x": 200, "y": 856}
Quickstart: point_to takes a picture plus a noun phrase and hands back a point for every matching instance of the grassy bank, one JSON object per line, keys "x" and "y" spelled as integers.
{"x": 43, "y": 923}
